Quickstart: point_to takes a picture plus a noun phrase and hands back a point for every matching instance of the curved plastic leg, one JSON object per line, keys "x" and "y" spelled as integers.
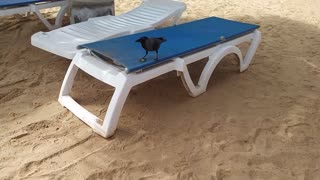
{"x": 110, "y": 122}
{"x": 176, "y": 18}
{"x": 60, "y": 15}
{"x": 111, "y": 119}
{"x": 251, "y": 51}
{"x": 58, "y": 22}
{"x": 68, "y": 80}
{"x": 214, "y": 59}
{"x": 66, "y": 100}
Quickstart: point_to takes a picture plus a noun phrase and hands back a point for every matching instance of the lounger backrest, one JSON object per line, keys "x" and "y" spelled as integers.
{"x": 151, "y": 13}
{"x": 155, "y": 12}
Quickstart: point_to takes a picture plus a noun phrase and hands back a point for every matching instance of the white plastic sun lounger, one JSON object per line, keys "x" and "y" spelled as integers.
{"x": 150, "y": 14}
{"x": 11, "y": 7}
{"x": 186, "y": 43}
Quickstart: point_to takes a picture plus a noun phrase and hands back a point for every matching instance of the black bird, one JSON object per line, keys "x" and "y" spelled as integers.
{"x": 150, "y": 44}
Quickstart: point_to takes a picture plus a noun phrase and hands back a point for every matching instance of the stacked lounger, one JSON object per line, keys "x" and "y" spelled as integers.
{"x": 10, "y": 7}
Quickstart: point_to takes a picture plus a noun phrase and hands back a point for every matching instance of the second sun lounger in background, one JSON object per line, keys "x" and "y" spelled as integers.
{"x": 150, "y": 14}
{"x": 117, "y": 62}
{"x": 11, "y": 7}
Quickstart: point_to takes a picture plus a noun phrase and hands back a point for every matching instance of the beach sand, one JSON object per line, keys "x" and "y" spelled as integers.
{"x": 257, "y": 125}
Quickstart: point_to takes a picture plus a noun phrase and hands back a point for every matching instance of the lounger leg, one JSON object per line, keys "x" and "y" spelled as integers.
{"x": 193, "y": 90}
{"x": 214, "y": 59}
{"x": 111, "y": 119}
{"x": 68, "y": 80}
{"x": 66, "y": 100}
{"x": 157, "y": 55}
{"x": 59, "y": 18}
{"x": 60, "y": 15}
{"x": 145, "y": 55}
{"x": 251, "y": 51}
{"x": 176, "y": 18}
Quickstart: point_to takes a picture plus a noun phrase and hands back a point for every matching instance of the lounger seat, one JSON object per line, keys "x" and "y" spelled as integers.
{"x": 150, "y": 14}
{"x": 186, "y": 43}
{"x": 10, "y": 7}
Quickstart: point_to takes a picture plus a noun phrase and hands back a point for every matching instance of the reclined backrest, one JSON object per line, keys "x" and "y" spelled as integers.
{"x": 150, "y": 13}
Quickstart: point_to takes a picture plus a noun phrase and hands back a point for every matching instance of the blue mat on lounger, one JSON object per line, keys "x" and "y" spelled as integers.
{"x": 10, "y": 3}
{"x": 182, "y": 39}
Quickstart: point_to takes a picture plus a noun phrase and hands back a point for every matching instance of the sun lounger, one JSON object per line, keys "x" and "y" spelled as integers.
{"x": 10, "y": 7}
{"x": 150, "y": 14}
{"x": 117, "y": 62}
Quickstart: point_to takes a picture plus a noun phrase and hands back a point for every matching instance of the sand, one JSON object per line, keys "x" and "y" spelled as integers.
{"x": 257, "y": 125}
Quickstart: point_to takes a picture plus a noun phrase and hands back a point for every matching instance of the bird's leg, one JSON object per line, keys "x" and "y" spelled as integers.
{"x": 143, "y": 58}
{"x": 157, "y": 55}
{"x": 145, "y": 54}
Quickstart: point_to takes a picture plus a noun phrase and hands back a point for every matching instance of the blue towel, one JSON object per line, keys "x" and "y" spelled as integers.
{"x": 182, "y": 40}
{"x": 10, "y": 3}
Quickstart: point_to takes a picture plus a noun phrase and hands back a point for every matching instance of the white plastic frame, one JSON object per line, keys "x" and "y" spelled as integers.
{"x": 123, "y": 82}
{"x": 35, "y": 8}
